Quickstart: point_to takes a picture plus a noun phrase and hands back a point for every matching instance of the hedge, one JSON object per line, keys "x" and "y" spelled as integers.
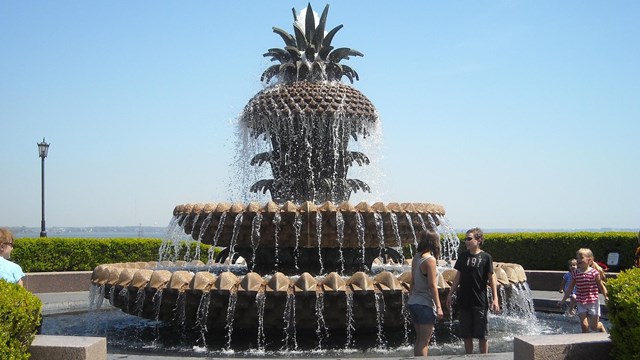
{"x": 84, "y": 254}
{"x": 534, "y": 251}
{"x": 624, "y": 314}
{"x": 551, "y": 251}
{"x": 19, "y": 318}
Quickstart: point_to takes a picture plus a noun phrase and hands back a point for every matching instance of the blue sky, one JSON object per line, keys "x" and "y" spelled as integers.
{"x": 511, "y": 114}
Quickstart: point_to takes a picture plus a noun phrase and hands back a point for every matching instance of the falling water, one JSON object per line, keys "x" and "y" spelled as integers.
{"x": 350, "y": 323}
{"x": 319, "y": 239}
{"x": 277, "y": 218}
{"x": 124, "y": 294}
{"x": 382, "y": 343}
{"x": 255, "y": 237}
{"x": 231, "y": 310}
{"x": 289, "y": 317}
{"x": 216, "y": 237}
{"x": 452, "y": 241}
{"x": 360, "y": 228}
{"x": 260, "y": 301}
{"x": 340, "y": 238}
{"x": 406, "y": 317}
{"x": 203, "y": 228}
{"x": 179, "y": 313}
{"x": 380, "y": 232}
{"x": 139, "y": 303}
{"x": 234, "y": 237}
{"x": 157, "y": 303}
{"x": 321, "y": 331}
{"x": 203, "y": 315}
{"x": 396, "y": 233}
{"x": 297, "y": 226}
{"x": 413, "y": 231}
{"x": 112, "y": 293}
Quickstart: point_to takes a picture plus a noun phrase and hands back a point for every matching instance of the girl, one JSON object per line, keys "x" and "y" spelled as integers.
{"x": 587, "y": 281}
{"x": 424, "y": 301}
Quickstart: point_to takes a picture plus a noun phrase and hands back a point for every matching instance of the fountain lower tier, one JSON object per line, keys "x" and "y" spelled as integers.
{"x": 192, "y": 295}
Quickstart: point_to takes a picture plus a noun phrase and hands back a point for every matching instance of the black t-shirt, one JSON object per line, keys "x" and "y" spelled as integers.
{"x": 474, "y": 276}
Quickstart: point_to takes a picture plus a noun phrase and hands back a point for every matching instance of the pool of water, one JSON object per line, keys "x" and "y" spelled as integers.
{"x": 132, "y": 335}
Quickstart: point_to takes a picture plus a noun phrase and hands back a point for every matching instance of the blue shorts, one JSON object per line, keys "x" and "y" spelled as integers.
{"x": 422, "y": 314}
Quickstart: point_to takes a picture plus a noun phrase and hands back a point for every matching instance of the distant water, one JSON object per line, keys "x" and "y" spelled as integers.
{"x": 95, "y": 232}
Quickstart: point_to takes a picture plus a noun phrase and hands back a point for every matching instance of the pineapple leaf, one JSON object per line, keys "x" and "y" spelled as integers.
{"x": 309, "y": 23}
{"x": 294, "y": 53}
{"x": 310, "y": 53}
{"x": 324, "y": 51}
{"x": 342, "y": 54}
{"x": 278, "y": 54}
{"x": 289, "y": 40}
{"x": 350, "y": 73}
{"x": 268, "y": 74}
{"x": 319, "y": 33}
{"x": 329, "y": 38}
{"x": 300, "y": 38}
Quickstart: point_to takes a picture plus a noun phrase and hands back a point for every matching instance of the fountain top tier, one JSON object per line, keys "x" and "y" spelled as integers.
{"x": 307, "y": 117}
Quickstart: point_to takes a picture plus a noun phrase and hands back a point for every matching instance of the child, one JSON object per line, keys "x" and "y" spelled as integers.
{"x": 475, "y": 271}
{"x": 564, "y": 286}
{"x": 587, "y": 281}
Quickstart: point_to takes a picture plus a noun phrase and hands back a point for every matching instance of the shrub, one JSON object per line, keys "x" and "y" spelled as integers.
{"x": 19, "y": 319}
{"x": 624, "y": 314}
{"x": 78, "y": 254}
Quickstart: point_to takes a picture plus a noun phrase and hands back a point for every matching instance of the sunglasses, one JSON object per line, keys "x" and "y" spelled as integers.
{"x": 469, "y": 238}
{"x": 9, "y": 243}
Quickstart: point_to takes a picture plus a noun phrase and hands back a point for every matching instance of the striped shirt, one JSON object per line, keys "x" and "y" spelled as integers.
{"x": 586, "y": 286}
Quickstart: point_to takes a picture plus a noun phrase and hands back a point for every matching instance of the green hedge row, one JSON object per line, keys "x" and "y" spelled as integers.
{"x": 19, "y": 319}
{"x": 534, "y": 251}
{"x": 84, "y": 254}
{"x": 551, "y": 251}
{"x": 624, "y": 314}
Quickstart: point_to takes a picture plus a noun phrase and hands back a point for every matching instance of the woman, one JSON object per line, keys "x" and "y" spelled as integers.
{"x": 9, "y": 270}
{"x": 424, "y": 302}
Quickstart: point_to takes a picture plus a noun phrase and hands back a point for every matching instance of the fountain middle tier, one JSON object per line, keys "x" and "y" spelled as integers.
{"x": 293, "y": 238}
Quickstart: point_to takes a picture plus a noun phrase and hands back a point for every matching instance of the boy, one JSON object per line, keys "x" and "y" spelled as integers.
{"x": 474, "y": 271}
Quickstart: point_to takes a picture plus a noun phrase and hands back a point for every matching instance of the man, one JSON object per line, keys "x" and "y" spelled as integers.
{"x": 474, "y": 271}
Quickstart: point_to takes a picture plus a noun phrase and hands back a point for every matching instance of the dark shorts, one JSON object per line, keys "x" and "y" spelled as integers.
{"x": 473, "y": 323}
{"x": 422, "y": 314}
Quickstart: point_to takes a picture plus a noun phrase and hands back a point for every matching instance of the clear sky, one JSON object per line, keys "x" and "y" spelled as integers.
{"x": 511, "y": 114}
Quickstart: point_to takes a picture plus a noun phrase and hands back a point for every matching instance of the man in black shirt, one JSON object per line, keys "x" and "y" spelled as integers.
{"x": 475, "y": 271}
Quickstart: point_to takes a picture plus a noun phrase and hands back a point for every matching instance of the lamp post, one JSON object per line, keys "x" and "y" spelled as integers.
{"x": 43, "y": 149}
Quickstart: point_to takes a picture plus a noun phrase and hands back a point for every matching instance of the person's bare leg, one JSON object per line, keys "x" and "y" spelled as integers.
{"x": 423, "y": 335}
{"x": 468, "y": 345}
{"x": 483, "y": 344}
{"x": 584, "y": 323}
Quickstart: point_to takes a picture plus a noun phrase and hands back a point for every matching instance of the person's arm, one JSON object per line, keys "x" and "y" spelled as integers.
{"x": 20, "y": 283}
{"x": 601, "y": 287}
{"x": 493, "y": 283}
{"x": 564, "y": 281}
{"x": 429, "y": 267}
{"x": 454, "y": 287}
{"x": 568, "y": 292}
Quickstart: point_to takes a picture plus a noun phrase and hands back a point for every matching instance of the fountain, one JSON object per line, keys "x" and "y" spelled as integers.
{"x": 314, "y": 261}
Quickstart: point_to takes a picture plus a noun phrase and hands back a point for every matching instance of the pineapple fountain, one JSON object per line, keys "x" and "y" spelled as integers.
{"x": 309, "y": 252}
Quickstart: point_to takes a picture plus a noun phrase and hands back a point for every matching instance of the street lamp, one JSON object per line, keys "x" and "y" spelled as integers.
{"x": 43, "y": 149}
